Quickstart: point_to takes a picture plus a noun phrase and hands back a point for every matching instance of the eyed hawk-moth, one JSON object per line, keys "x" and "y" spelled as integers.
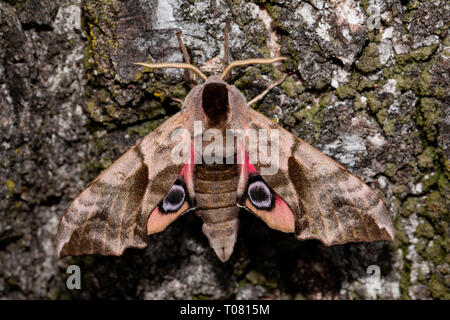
{"x": 142, "y": 192}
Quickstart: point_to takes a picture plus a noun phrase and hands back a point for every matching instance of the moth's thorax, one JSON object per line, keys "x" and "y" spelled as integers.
{"x": 215, "y": 193}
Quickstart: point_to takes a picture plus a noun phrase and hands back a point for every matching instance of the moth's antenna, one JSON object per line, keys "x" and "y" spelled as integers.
{"x": 225, "y": 44}
{"x": 249, "y": 61}
{"x": 174, "y": 65}
{"x": 188, "y": 75}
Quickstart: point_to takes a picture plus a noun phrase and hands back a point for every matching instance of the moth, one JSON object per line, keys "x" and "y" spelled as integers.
{"x": 144, "y": 191}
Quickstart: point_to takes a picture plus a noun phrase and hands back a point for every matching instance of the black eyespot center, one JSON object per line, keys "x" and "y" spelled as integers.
{"x": 175, "y": 195}
{"x": 260, "y": 194}
{"x": 174, "y": 199}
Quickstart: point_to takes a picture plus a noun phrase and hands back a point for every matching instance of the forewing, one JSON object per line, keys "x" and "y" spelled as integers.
{"x": 113, "y": 213}
{"x": 328, "y": 202}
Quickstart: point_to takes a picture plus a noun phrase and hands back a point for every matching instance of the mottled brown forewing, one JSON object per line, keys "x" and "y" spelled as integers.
{"x": 112, "y": 213}
{"x": 328, "y": 202}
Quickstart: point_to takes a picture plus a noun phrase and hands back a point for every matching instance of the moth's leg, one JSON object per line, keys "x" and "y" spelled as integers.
{"x": 225, "y": 49}
{"x": 168, "y": 95}
{"x": 189, "y": 76}
{"x": 261, "y": 96}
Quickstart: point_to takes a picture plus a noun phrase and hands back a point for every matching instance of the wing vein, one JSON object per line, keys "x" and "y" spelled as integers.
{"x": 349, "y": 198}
{"x": 83, "y": 226}
{"x": 107, "y": 219}
{"x": 96, "y": 222}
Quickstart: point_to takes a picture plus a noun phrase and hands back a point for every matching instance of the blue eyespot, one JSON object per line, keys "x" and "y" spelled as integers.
{"x": 260, "y": 195}
{"x": 174, "y": 199}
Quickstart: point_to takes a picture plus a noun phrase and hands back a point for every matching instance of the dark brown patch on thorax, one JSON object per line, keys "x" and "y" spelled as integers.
{"x": 215, "y": 104}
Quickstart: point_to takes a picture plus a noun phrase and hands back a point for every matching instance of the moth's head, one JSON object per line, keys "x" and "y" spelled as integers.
{"x": 213, "y": 98}
{"x": 213, "y": 95}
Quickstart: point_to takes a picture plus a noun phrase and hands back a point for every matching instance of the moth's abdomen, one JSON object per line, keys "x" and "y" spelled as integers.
{"x": 215, "y": 193}
{"x": 215, "y": 188}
